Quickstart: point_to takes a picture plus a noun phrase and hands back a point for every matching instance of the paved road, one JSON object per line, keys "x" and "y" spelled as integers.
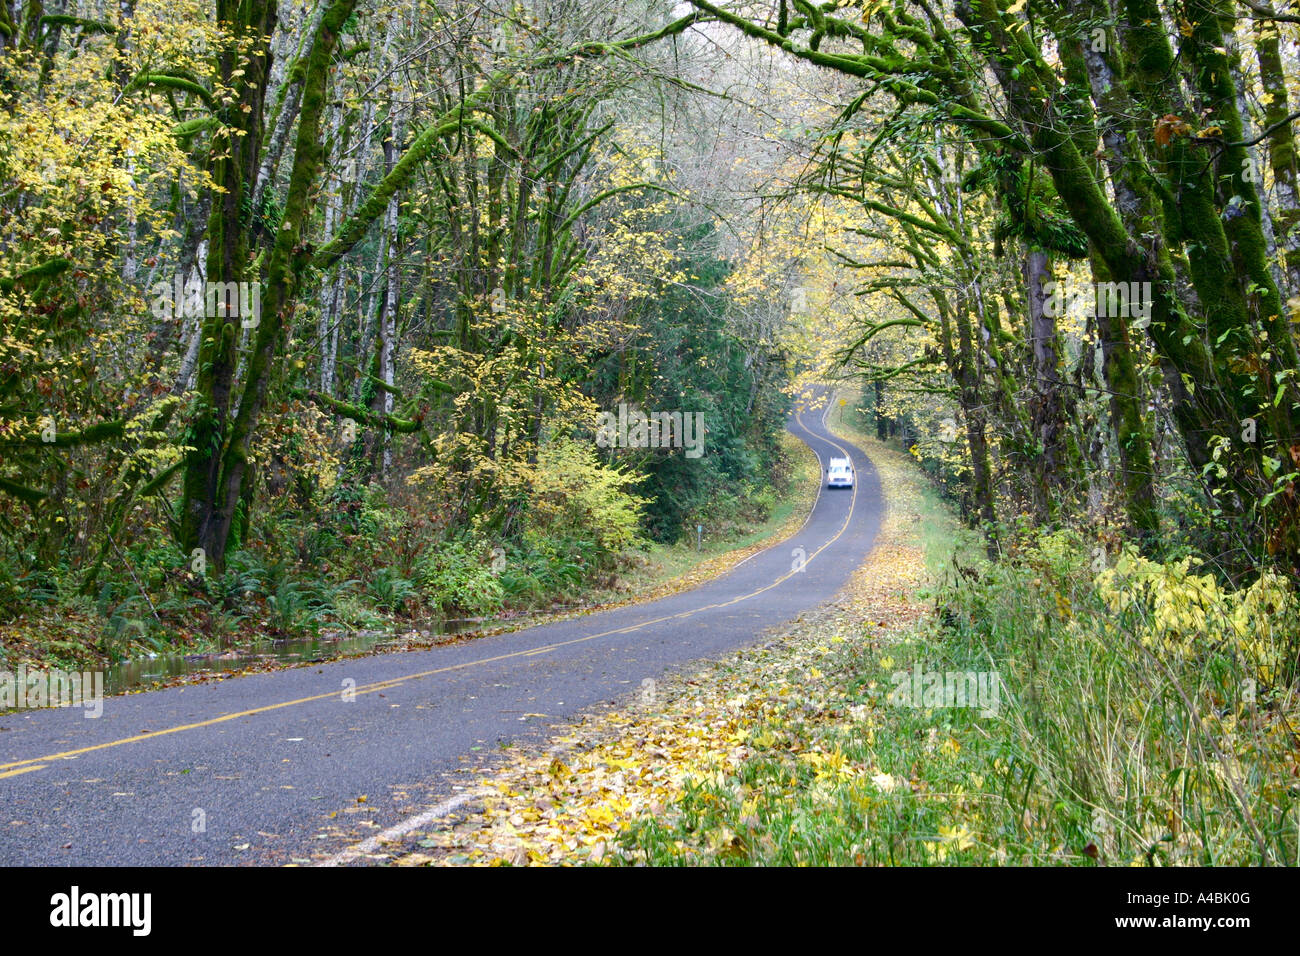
{"x": 254, "y": 769}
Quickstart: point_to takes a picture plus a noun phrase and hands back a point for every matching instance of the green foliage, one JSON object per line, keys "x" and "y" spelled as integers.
{"x": 532, "y": 577}
{"x": 116, "y": 162}
{"x": 690, "y": 356}
{"x": 1144, "y": 701}
{"x": 577, "y": 505}
{"x": 293, "y": 607}
{"x": 391, "y": 592}
{"x": 455, "y": 577}
{"x": 243, "y": 577}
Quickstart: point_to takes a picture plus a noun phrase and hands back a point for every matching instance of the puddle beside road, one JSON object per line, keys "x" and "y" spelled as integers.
{"x": 327, "y": 645}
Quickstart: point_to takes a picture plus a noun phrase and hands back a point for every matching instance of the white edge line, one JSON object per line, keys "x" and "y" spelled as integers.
{"x": 371, "y": 844}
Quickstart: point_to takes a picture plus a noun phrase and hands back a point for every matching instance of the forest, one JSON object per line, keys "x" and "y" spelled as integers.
{"x": 329, "y": 313}
{"x": 301, "y": 295}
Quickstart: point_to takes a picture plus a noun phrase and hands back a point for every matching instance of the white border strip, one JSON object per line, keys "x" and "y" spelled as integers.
{"x": 392, "y": 834}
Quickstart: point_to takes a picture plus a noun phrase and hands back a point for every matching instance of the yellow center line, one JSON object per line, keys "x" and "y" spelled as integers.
{"x": 14, "y": 773}
{"x": 397, "y": 681}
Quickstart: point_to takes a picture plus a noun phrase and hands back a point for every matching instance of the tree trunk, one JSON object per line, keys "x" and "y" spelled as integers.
{"x": 882, "y": 422}
{"x": 1047, "y": 413}
{"x": 222, "y": 430}
{"x": 1281, "y": 150}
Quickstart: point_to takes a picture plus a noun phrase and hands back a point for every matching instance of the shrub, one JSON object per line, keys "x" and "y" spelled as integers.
{"x": 458, "y": 580}
{"x": 390, "y": 591}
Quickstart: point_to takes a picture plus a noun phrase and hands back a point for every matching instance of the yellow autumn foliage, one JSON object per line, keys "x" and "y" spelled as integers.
{"x": 1187, "y": 613}
{"x": 571, "y": 492}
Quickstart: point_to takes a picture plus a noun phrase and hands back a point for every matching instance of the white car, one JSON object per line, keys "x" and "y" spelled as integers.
{"x": 839, "y": 473}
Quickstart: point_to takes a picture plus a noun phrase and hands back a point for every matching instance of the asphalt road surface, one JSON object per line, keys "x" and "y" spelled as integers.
{"x": 272, "y": 767}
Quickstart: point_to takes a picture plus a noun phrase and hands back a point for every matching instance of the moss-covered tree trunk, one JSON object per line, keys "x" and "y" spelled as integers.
{"x": 1139, "y": 211}
{"x": 1281, "y": 148}
{"x": 244, "y": 67}
{"x": 223, "y": 427}
{"x": 1048, "y": 412}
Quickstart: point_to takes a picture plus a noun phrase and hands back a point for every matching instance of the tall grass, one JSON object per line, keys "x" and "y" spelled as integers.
{"x": 1148, "y": 719}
